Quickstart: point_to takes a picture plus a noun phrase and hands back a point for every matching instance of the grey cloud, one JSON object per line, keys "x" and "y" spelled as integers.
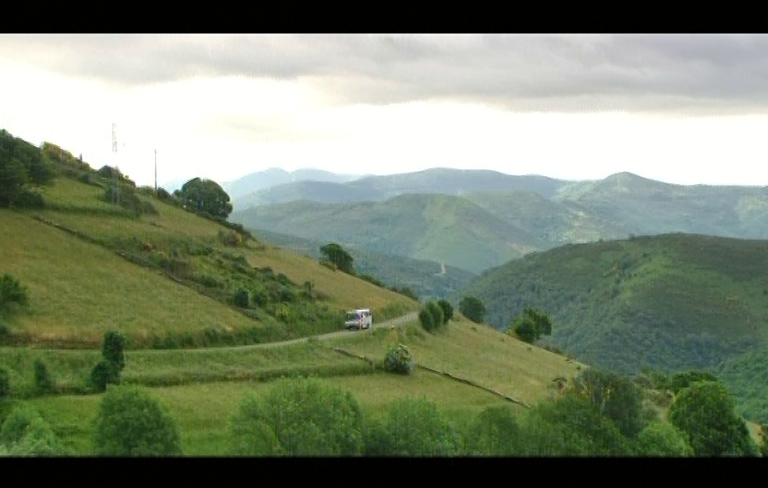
{"x": 565, "y": 72}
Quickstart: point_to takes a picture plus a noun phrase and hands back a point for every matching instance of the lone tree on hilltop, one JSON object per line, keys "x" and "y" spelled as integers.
{"x": 338, "y": 256}
{"x": 205, "y": 197}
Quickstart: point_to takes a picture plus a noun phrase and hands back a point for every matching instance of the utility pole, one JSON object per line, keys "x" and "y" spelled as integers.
{"x": 155, "y": 172}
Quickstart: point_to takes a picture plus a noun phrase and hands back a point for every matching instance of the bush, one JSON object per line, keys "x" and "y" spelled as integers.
{"x": 11, "y": 291}
{"x": 131, "y": 422}
{"x": 43, "y": 382}
{"x": 298, "y": 417}
{"x": 241, "y": 298}
{"x": 399, "y": 360}
{"x": 447, "y": 310}
{"x": 426, "y": 319}
{"x": 438, "y": 318}
{"x": 25, "y": 433}
{"x": 660, "y": 438}
{"x": 102, "y": 373}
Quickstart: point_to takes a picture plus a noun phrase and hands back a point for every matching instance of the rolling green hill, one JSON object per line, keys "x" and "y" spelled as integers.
{"x": 427, "y": 279}
{"x": 440, "y": 228}
{"x": 492, "y": 218}
{"x": 667, "y": 303}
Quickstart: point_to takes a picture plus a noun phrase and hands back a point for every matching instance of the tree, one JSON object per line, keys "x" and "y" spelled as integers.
{"x": 338, "y": 256}
{"x": 415, "y": 427}
{"x": 704, "y": 412}
{"x": 5, "y": 383}
{"x": 447, "y": 309}
{"x": 494, "y": 432}
{"x": 531, "y": 325}
{"x": 473, "y": 309}
{"x": 21, "y": 165}
{"x": 205, "y": 197}
{"x": 113, "y": 361}
{"x": 426, "y": 319}
{"x": 43, "y": 381}
{"x": 298, "y": 417}
{"x": 660, "y": 438}
{"x": 112, "y": 349}
{"x": 616, "y": 397}
{"x": 132, "y": 422}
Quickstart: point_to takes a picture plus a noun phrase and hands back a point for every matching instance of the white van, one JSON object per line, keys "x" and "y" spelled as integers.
{"x": 358, "y": 319}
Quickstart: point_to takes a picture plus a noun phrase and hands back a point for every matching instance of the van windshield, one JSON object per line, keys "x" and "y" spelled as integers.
{"x": 351, "y": 316}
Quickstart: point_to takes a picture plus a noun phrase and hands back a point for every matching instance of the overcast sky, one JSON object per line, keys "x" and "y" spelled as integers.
{"x": 677, "y": 108}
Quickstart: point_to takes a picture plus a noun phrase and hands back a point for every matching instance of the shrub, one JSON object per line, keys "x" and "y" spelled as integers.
{"x": 241, "y": 298}
{"x": 11, "y": 291}
{"x": 102, "y": 373}
{"x": 25, "y": 433}
{"x": 399, "y": 360}
{"x": 43, "y": 382}
{"x": 131, "y": 422}
{"x": 436, "y": 311}
{"x": 426, "y": 320}
{"x": 447, "y": 310}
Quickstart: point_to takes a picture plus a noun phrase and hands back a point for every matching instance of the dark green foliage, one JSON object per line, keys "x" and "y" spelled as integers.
{"x": 241, "y": 298}
{"x": 416, "y": 427}
{"x": 132, "y": 422}
{"x": 661, "y": 439}
{"x": 298, "y": 417}
{"x": 399, "y": 359}
{"x": 338, "y": 256}
{"x": 11, "y": 291}
{"x": 426, "y": 319}
{"x": 570, "y": 426}
{"x": 102, "y": 373}
{"x": 205, "y": 197}
{"x": 704, "y": 412}
{"x": 405, "y": 291}
{"x": 126, "y": 197}
{"x": 112, "y": 349}
{"x": 473, "y": 309}
{"x": 613, "y": 396}
{"x": 43, "y": 381}
{"x": 764, "y": 438}
{"x": 438, "y": 319}
{"x": 21, "y": 166}
{"x": 531, "y": 325}
{"x": 447, "y": 309}
{"x": 25, "y": 433}
{"x": 494, "y": 432}
{"x": 684, "y": 380}
{"x": 5, "y": 383}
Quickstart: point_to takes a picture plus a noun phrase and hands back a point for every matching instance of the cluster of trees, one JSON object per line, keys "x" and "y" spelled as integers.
{"x": 22, "y": 168}
{"x": 530, "y": 325}
{"x": 600, "y": 415}
{"x": 434, "y": 315}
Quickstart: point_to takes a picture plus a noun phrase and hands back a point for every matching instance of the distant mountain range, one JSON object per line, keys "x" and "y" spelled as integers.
{"x": 478, "y": 219}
